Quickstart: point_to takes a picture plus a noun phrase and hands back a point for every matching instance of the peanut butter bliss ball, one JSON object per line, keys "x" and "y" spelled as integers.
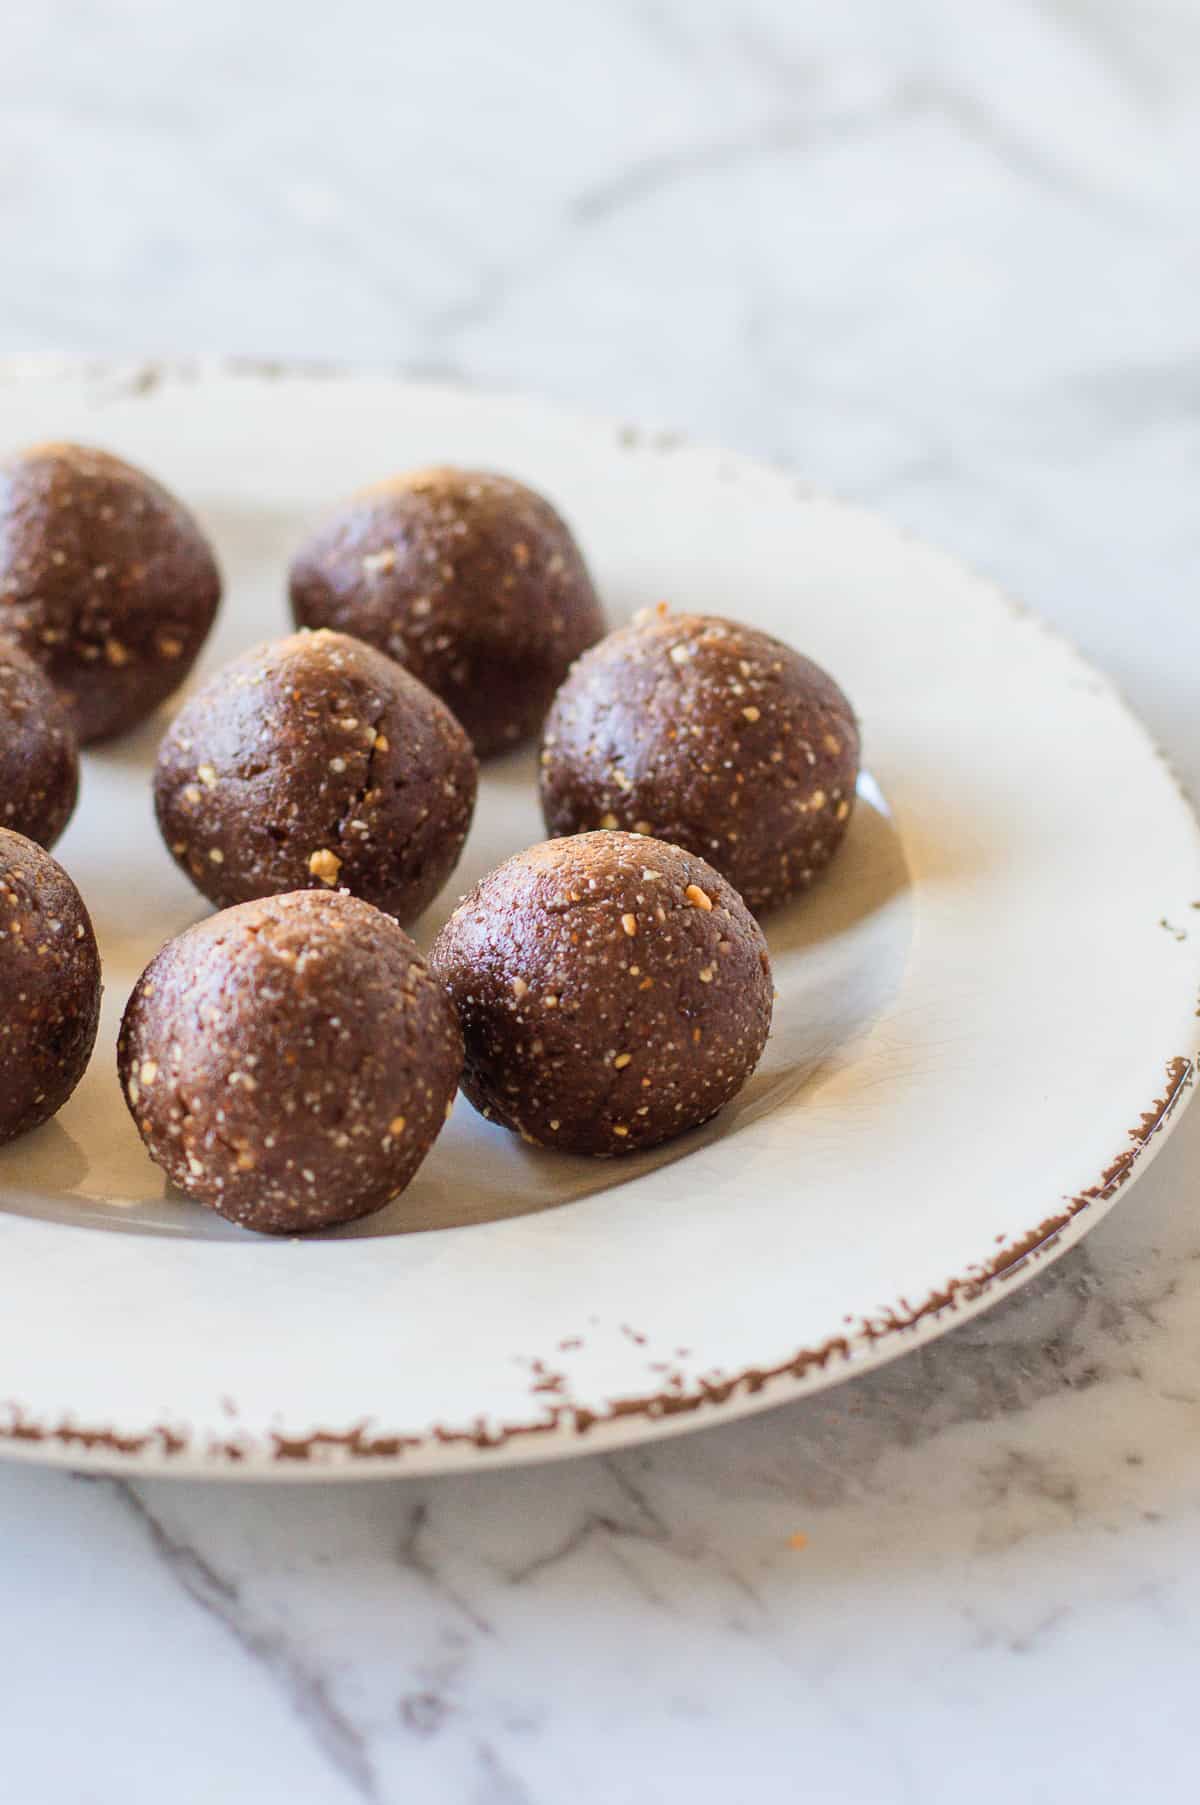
{"x": 613, "y": 991}
{"x": 713, "y": 736}
{"x": 105, "y": 579}
{"x": 50, "y": 982}
{"x": 471, "y": 580}
{"x": 316, "y": 762}
{"x": 39, "y": 757}
{"x": 290, "y": 1062}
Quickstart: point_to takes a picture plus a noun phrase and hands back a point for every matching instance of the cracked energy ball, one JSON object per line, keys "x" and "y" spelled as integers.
{"x": 316, "y": 762}
{"x": 472, "y": 581}
{"x": 613, "y": 991}
{"x": 290, "y": 1062}
{"x": 39, "y": 756}
{"x": 713, "y": 736}
{"x": 105, "y": 579}
{"x": 50, "y": 981}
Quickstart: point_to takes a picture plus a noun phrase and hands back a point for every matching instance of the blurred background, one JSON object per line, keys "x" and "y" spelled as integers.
{"x": 941, "y": 256}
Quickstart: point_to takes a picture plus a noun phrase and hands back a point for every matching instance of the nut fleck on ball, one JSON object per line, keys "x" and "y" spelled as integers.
{"x": 587, "y": 1037}
{"x": 713, "y": 736}
{"x": 316, "y": 762}
{"x": 471, "y": 580}
{"x": 290, "y": 1062}
{"x": 106, "y": 581}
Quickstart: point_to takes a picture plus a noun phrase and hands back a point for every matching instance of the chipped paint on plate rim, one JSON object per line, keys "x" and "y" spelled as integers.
{"x": 985, "y": 1030}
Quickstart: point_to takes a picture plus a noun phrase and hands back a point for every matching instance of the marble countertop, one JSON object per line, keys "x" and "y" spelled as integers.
{"x": 944, "y": 258}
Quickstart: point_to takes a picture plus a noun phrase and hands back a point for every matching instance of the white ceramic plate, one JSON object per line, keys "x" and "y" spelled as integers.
{"x": 985, "y": 1016}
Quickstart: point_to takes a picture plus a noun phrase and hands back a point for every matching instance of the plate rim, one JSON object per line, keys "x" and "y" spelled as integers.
{"x": 563, "y": 1428}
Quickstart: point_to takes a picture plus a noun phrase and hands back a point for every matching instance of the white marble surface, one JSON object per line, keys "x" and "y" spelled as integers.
{"x": 941, "y": 256}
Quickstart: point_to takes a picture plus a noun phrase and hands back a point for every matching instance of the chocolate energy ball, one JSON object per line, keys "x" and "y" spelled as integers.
{"x": 710, "y": 735}
{"x": 473, "y": 581}
{"x": 50, "y": 982}
{"x": 105, "y": 579}
{"x": 39, "y": 757}
{"x": 612, "y": 991}
{"x": 316, "y": 762}
{"x": 290, "y": 1062}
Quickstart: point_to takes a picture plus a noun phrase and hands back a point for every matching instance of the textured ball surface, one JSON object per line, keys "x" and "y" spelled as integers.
{"x": 713, "y": 736}
{"x": 105, "y": 579}
{"x": 316, "y": 762}
{"x": 613, "y": 991}
{"x": 50, "y": 982}
{"x": 472, "y": 581}
{"x": 39, "y": 756}
{"x": 290, "y": 1062}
